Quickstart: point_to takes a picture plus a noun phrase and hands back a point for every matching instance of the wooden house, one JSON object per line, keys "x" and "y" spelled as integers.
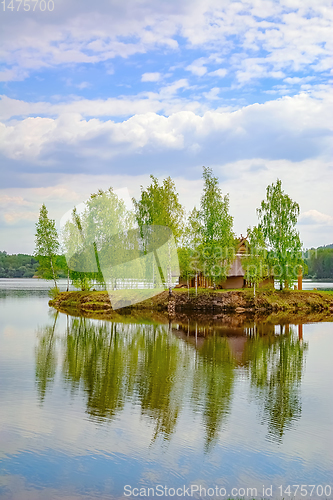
{"x": 236, "y": 274}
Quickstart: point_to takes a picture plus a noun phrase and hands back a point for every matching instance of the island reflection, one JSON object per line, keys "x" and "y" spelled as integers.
{"x": 162, "y": 367}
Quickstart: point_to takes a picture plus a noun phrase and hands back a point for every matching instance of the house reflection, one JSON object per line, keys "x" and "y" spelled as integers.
{"x": 272, "y": 356}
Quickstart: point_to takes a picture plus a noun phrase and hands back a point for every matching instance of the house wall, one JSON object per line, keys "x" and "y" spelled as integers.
{"x": 234, "y": 282}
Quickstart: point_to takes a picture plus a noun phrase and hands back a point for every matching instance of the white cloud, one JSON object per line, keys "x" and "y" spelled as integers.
{"x": 260, "y": 39}
{"x": 249, "y": 131}
{"x": 166, "y": 100}
{"x": 83, "y": 85}
{"x": 174, "y": 129}
{"x": 6, "y": 200}
{"x": 219, "y": 72}
{"x": 151, "y": 77}
{"x": 244, "y": 180}
{"x": 197, "y": 67}
{"x": 13, "y": 217}
{"x": 297, "y": 80}
{"x": 315, "y": 217}
{"x": 212, "y": 95}
{"x": 13, "y": 74}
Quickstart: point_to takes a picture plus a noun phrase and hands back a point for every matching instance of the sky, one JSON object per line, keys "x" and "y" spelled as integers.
{"x": 100, "y": 94}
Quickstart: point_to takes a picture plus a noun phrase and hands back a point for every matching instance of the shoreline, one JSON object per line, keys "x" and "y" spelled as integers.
{"x": 211, "y": 303}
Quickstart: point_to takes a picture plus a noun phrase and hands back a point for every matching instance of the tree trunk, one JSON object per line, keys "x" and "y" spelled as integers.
{"x": 53, "y": 273}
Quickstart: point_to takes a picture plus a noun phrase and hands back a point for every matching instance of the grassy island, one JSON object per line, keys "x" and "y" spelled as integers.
{"x": 206, "y": 301}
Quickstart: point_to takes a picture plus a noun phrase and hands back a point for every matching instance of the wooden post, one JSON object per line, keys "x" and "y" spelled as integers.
{"x": 300, "y": 332}
{"x": 300, "y": 275}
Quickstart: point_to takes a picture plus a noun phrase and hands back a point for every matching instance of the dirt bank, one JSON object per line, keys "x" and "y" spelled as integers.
{"x": 206, "y": 301}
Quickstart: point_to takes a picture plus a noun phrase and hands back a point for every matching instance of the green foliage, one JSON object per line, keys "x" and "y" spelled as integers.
{"x": 96, "y": 242}
{"x": 17, "y": 266}
{"x": 188, "y": 252}
{"x": 81, "y": 281}
{"x": 213, "y": 385}
{"x": 159, "y": 205}
{"x": 46, "y": 358}
{"x": 53, "y": 292}
{"x": 47, "y": 245}
{"x": 276, "y": 371}
{"x": 214, "y": 229}
{"x": 118, "y": 362}
{"x": 185, "y": 262}
{"x": 255, "y": 263}
{"x": 277, "y": 220}
{"x": 320, "y": 262}
{"x": 72, "y": 242}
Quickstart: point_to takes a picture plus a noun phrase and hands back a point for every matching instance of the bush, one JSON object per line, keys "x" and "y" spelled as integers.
{"x": 54, "y": 292}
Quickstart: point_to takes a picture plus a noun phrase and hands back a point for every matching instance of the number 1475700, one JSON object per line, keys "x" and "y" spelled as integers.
{"x": 27, "y": 5}
{"x": 306, "y": 490}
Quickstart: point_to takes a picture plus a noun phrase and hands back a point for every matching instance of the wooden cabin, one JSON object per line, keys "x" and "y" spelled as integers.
{"x": 235, "y": 278}
{"x": 236, "y": 274}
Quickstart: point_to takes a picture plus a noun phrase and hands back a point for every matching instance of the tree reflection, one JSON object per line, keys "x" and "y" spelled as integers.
{"x": 158, "y": 390}
{"x": 145, "y": 365}
{"x": 116, "y": 362}
{"x": 276, "y": 369}
{"x": 96, "y": 356}
{"x": 46, "y": 358}
{"x": 213, "y": 384}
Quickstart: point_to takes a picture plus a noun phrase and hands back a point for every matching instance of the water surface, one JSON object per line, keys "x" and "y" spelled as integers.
{"x": 88, "y": 407}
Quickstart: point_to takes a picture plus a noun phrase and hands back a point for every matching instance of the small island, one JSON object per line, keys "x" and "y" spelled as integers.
{"x": 183, "y": 300}
{"x": 156, "y": 258}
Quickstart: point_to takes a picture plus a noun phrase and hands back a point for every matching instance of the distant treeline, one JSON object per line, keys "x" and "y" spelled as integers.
{"x": 22, "y": 266}
{"x": 17, "y": 266}
{"x": 320, "y": 262}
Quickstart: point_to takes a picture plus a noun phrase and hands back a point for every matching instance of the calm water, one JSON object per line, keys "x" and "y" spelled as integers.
{"x": 88, "y": 407}
{"x": 34, "y": 284}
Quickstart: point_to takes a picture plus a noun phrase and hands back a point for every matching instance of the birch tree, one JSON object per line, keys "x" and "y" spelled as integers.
{"x": 278, "y": 216}
{"x": 255, "y": 263}
{"x": 217, "y": 237}
{"x": 159, "y": 205}
{"x": 47, "y": 245}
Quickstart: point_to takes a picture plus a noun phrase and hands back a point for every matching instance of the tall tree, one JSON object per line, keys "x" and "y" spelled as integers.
{"x": 217, "y": 238}
{"x": 101, "y": 243}
{"x": 159, "y": 205}
{"x": 277, "y": 220}
{"x": 47, "y": 245}
{"x": 188, "y": 252}
{"x": 80, "y": 265}
{"x": 255, "y": 263}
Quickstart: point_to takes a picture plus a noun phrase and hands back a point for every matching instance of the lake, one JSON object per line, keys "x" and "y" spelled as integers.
{"x": 96, "y": 409}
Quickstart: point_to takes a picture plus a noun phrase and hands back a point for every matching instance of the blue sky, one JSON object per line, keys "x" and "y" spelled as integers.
{"x": 98, "y": 95}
